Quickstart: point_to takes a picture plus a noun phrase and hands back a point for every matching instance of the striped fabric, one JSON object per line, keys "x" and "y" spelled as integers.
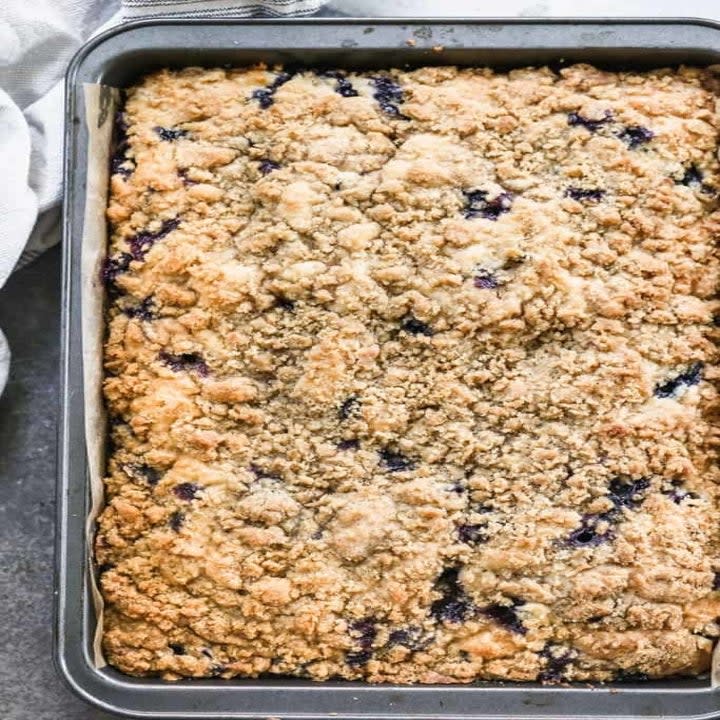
{"x": 138, "y": 9}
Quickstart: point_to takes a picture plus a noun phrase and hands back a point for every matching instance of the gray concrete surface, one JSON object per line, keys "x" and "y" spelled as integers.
{"x": 29, "y": 315}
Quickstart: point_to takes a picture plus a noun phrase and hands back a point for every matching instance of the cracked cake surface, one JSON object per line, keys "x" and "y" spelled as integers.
{"x": 411, "y": 376}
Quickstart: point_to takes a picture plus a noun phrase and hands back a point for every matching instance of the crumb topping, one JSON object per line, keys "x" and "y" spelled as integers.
{"x": 412, "y": 375}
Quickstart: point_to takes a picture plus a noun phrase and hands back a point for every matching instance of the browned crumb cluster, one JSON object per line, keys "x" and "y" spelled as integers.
{"x": 411, "y": 375}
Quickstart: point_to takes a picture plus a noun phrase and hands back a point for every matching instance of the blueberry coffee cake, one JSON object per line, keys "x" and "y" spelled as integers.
{"x": 411, "y": 376}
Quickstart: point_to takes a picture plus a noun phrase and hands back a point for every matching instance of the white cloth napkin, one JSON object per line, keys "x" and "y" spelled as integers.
{"x": 37, "y": 40}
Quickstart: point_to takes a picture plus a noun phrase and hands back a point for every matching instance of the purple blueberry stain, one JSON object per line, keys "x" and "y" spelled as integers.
{"x": 189, "y": 362}
{"x": 113, "y": 266}
{"x": 144, "y": 240}
{"x": 472, "y": 534}
{"x": 506, "y": 615}
{"x": 626, "y": 492}
{"x": 266, "y": 96}
{"x": 453, "y": 605}
{"x": 348, "y": 407}
{"x": 169, "y": 134}
{"x": 478, "y": 204}
{"x": 691, "y": 376}
{"x": 176, "y": 520}
{"x": 678, "y": 494}
{"x": 342, "y": 85}
{"x": 693, "y": 178}
{"x": 412, "y": 637}
{"x": 485, "y": 279}
{"x": 144, "y": 472}
{"x": 358, "y": 658}
{"x": 266, "y": 166}
{"x": 351, "y": 444}
{"x": 363, "y": 632}
{"x": 413, "y": 326}
{"x": 716, "y": 581}
{"x": 557, "y": 659}
{"x": 186, "y": 491}
{"x": 583, "y": 194}
{"x": 394, "y": 461}
{"x": 389, "y": 95}
{"x": 142, "y": 310}
{"x": 177, "y": 648}
{"x": 587, "y": 534}
{"x": 636, "y": 135}
{"x": 588, "y": 123}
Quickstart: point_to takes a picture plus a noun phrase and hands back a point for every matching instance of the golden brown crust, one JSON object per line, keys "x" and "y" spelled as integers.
{"x": 413, "y": 380}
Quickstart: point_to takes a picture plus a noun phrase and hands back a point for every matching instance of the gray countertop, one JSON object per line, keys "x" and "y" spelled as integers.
{"x": 29, "y": 315}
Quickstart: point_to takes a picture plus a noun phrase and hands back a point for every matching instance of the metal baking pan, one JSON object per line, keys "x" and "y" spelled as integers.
{"x": 118, "y": 58}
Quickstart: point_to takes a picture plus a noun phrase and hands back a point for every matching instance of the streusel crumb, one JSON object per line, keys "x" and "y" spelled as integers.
{"x": 412, "y": 375}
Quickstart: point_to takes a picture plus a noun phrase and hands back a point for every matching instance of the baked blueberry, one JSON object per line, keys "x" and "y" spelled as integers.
{"x": 141, "y": 310}
{"x": 580, "y": 194}
{"x": 185, "y": 361}
{"x": 348, "y": 407}
{"x": 169, "y": 134}
{"x": 693, "y": 178}
{"x": 358, "y": 658}
{"x": 266, "y": 96}
{"x": 454, "y": 605}
{"x": 351, "y": 444}
{"x": 389, "y": 95}
{"x": 477, "y": 204}
{"x": 144, "y": 240}
{"x": 485, "y": 279}
{"x": 591, "y": 125}
{"x": 626, "y": 492}
{"x": 587, "y": 535}
{"x": 395, "y": 461}
{"x": 678, "y": 494}
{"x": 472, "y": 534}
{"x": 342, "y": 85}
{"x": 345, "y": 88}
{"x": 687, "y": 378}
{"x": 186, "y": 491}
{"x": 266, "y": 166}
{"x": 412, "y": 637}
{"x": 144, "y": 472}
{"x": 412, "y": 325}
{"x": 121, "y": 166}
{"x": 636, "y": 135}
{"x": 557, "y": 660}
{"x": 176, "y": 520}
{"x": 506, "y": 615}
{"x": 114, "y": 266}
{"x": 363, "y": 632}
{"x": 177, "y": 648}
